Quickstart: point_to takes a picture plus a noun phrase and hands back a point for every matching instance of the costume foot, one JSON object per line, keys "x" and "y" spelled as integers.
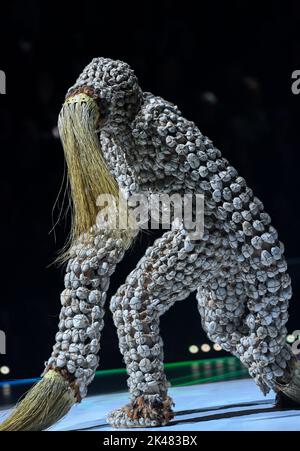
{"x": 143, "y": 411}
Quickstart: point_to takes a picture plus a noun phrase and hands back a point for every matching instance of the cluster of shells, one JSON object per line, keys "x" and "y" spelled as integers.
{"x": 164, "y": 275}
{"x": 117, "y": 88}
{"x": 81, "y": 317}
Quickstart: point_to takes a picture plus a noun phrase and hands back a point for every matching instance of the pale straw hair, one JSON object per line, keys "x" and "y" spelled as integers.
{"x": 87, "y": 170}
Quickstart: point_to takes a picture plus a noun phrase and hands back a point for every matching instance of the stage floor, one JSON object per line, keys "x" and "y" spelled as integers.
{"x": 221, "y": 406}
{"x": 210, "y": 395}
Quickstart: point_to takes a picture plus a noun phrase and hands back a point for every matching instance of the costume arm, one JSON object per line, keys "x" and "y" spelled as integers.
{"x": 81, "y": 318}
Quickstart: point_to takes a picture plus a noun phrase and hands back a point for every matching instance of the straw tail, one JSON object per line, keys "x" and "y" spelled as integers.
{"x": 47, "y": 402}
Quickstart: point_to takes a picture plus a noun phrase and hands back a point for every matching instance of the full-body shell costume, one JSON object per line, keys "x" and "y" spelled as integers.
{"x": 237, "y": 269}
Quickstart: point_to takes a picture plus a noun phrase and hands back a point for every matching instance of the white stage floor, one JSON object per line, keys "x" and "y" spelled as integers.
{"x": 220, "y": 406}
{"x": 236, "y": 405}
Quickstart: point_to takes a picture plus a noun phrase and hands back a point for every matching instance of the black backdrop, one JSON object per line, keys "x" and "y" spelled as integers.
{"x": 227, "y": 64}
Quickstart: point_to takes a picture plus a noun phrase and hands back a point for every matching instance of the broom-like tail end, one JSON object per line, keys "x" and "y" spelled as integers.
{"x": 46, "y": 403}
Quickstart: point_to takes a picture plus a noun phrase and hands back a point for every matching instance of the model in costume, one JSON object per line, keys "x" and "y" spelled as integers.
{"x": 117, "y": 136}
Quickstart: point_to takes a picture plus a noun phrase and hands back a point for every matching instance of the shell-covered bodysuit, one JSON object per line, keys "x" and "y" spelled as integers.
{"x": 237, "y": 269}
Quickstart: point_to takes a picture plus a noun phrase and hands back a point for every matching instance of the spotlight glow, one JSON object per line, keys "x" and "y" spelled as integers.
{"x": 205, "y": 347}
{"x": 290, "y": 338}
{"x": 193, "y": 349}
{"x": 217, "y": 347}
{"x": 4, "y": 370}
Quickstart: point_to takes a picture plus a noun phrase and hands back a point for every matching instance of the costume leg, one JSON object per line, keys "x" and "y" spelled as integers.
{"x": 244, "y": 309}
{"x": 221, "y": 305}
{"x": 168, "y": 272}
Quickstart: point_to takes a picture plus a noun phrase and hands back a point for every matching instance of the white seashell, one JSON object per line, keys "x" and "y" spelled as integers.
{"x": 82, "y": 293}
{"x": 60, "y": 361}
{"x": 257, "y": 242}
{"x": 65, "y": 296}
{"x": 266, "y": 258}
{"x": 92, "y": 360}
{"x": 188, "y": 246}
{"x": 80, "y": 321}
{"x": 273, "y": 285}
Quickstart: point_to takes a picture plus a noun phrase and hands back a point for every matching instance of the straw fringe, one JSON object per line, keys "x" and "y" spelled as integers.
{"x": 46, "y": 403}
{"x": 88, "y": 174}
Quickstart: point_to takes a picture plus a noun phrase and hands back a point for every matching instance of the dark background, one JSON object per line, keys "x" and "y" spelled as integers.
{"x": 228, "y": 66}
